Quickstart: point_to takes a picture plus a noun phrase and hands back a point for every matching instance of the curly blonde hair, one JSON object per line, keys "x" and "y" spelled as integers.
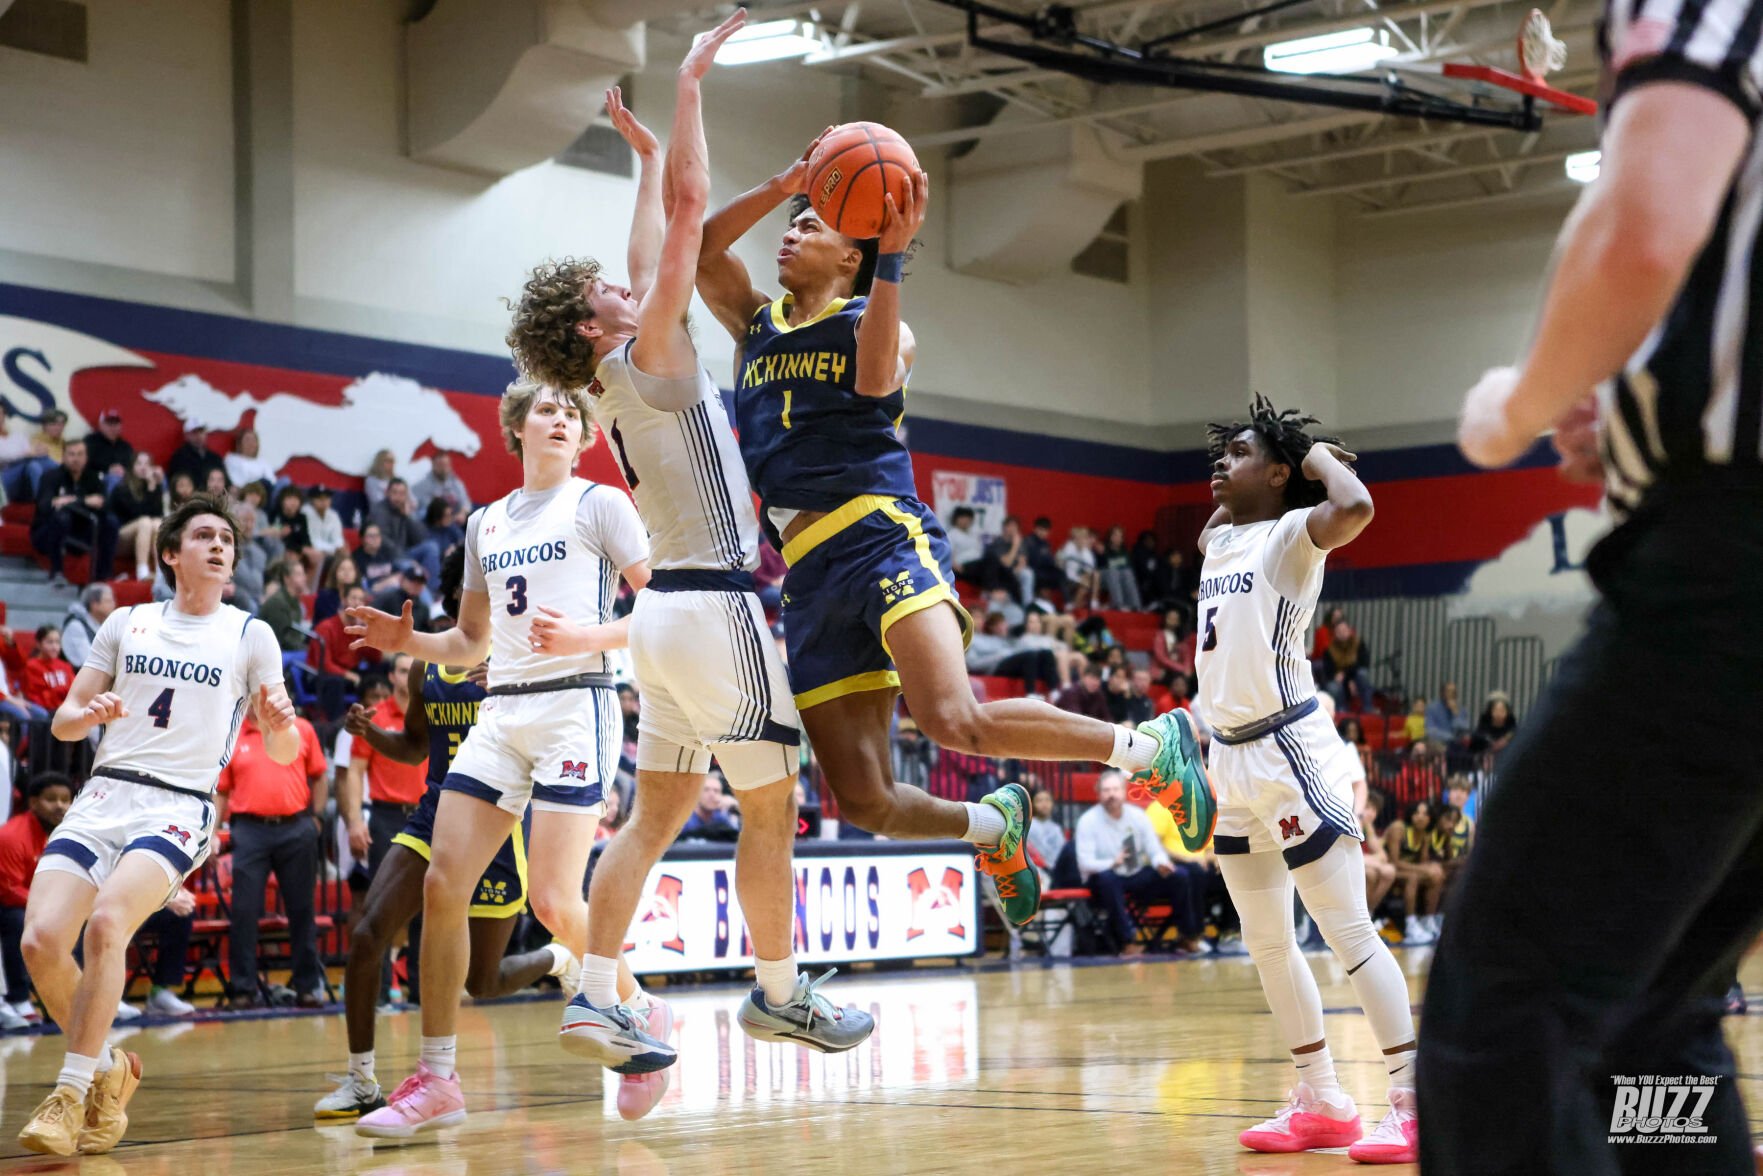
{"x": 518, "y": 401}
{"x": 544, "y": 339}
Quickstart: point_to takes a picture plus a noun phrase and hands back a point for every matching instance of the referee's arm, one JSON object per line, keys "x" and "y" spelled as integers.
{"x": 1674, "y": 140}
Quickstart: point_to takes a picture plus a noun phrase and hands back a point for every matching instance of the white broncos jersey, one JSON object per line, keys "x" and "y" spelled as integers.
{"x": 683, "y": 467}
{"x": 561, "y": 548}
{"x": 1259, "y": 585}
{"x": 185, "y": 683}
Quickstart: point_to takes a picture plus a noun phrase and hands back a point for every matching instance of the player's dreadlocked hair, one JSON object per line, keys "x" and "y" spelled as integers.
{"x": 543, "y": 336}
{"x": 1282, "y": 432}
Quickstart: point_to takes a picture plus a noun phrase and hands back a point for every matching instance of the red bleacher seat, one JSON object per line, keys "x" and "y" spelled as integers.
{"x": 1083, "y": 787}
{"x": 131, "y": 592}
{"x": 351, "y": 538}
{"x": 1134, "y": 630}
{"x": 17, "y": 512}
{"x": 15, "y": 539}
{"x": 997, "y": 688}
{"x": 1375, "y": 734}
{"x": 25, "y": 640}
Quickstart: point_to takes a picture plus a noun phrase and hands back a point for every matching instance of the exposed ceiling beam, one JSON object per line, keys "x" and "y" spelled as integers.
{"x": 1450, "y": 173}
{"x": 993, "y": 130}
{"x": 980, "y": 83}
{"x": 1238, "y": 137}
{"x": 1379, "y": 147}
{"x": 1561, "y": 191}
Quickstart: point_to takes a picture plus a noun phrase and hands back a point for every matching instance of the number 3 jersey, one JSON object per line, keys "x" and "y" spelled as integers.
{"x": 1259, "y": 584}
{"x": 560, "y": 549}
{"x": 185, "y": 682}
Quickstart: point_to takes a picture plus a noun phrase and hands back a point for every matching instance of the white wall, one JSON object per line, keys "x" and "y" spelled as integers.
{"x": 126, "y": 160}
{"x": 1291, "y": 264}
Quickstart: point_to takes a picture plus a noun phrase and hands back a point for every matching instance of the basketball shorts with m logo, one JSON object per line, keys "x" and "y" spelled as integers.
{"x": 1290, "y": 790}
{"x": 854, "y": 574}
{"x": 556, "y": 750}
{"x": 502, "y": 889}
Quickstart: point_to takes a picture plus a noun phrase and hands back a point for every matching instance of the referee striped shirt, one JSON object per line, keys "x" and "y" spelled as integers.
{"x": 1692, "y": 396}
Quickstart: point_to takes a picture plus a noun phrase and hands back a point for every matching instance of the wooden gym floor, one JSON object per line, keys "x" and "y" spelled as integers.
{"x": 1141, "y": 1067}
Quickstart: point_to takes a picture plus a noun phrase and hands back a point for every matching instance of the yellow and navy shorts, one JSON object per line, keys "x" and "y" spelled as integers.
{"x": 853, "y": 575}
{"x": 501, "y": 892}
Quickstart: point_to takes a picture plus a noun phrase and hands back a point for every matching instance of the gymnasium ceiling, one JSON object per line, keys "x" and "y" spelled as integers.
{"x": 1383, "y": 166}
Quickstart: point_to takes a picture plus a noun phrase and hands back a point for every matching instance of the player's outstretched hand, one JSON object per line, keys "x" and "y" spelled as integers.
{"x": 794, "y": 179}
{"x": 1576, "y": 440}
{"x": 1485, "y": 432}
{"x": 901, "y": 222}
{"x": 357, "y": 721}
{"x": 374, "y": 629}
{"x": 105, "y": 708}
{"x": 479, "y": 675}
{"x": 641, "y": 139}
{"x": 275, "y": 710}
{"x": 702, "y": 55}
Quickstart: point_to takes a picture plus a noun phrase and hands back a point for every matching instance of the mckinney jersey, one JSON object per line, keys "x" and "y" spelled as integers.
{"x": 450, "y": 705}
{"x": 561, "y": 548}
{"x": 683, "y": 468}
{"x": 1258, "y": 588}
{"x": 1692, "y": 397}
{"x": 184, "y": 682}
{"x": 811, "y": 442}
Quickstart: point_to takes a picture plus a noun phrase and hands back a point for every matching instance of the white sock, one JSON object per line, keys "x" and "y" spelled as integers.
{"x": 1401, "y": 1068}
{"x": 777, "y": 978}
{"x": 640, "y": 1000}
{"x": 562, "y": 959}
{"x": 438, "y": 1054}
{"x": 1133, "y": 752}
{"x": 985, "y": 826}
{"x": 600, "y": 980}
{"x": 361, "y": 1066}
{"x": 77, "y": 1071}
{"x": 1317, "y": 1069}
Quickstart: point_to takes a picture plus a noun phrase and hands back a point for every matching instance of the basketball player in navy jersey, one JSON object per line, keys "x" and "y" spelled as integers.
{"x": 869, "y": 608}
{"x": 443, "y": 709}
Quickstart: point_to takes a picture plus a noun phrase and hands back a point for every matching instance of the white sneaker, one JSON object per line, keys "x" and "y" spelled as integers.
{"x": 1435, "y": 924}
{"x": 1396, "y": 1140}
{"x": 28, "y": 1011}
{"x": 1415, "y": 934}
{"x": 10, "y": 1020}
{"x": 127, "y": 1012}
{"x": 566, "y": 968}
{"x": 169, "y": 1004}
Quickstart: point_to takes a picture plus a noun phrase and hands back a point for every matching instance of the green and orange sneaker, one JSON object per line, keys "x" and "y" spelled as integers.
{"x": 1018, "y": 882}
{"x": 1176, "y": 778}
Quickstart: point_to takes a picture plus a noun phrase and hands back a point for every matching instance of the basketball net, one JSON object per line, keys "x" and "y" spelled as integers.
{"x": 1539, "y": 51}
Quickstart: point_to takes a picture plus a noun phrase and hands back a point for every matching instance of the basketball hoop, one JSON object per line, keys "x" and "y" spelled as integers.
{"x": 1539, "y": 52}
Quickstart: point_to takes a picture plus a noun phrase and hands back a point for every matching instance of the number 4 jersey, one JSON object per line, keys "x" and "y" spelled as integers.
{"x": 561, "y": 549}
{"x": 1259, "y": 584}
{"x": 185, "y": 682}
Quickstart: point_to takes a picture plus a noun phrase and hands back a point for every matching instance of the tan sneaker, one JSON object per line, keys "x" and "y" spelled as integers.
{"x": 54, "y": 1128}
{"x": 106, "y": 1119}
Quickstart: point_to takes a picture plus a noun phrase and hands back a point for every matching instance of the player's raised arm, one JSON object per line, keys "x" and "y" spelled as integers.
{"x": 663, "y": 348}
{"x": 643, "y": 253}
{"x": 1670, "y": 153}
{"x": 885, "y": 347}
{"x": 466, "y": 644}
{"x": 1337, "y": 521}
{"x": 409, "y": 746}
{"x": 723, "y": 281}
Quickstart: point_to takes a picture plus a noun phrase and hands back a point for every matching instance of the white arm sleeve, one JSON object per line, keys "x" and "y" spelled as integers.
{"x": 664, "y": 395}
{"x": 102, "y": 656}
{"x": 263, "y": 657}
{"x": 608, "y": 523}
{"x": 1292, "y": 561}
{"x": 474, "y": 571}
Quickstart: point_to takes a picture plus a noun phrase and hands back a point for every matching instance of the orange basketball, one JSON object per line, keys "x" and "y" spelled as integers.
{"x": 854, "y": 168}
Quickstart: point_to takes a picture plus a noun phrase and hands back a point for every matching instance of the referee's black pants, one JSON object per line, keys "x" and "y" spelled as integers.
{"x": 1617, "y": 873}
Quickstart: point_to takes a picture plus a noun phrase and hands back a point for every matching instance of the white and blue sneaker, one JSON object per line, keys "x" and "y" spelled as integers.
{"x": 615, "y": 1037}
{"x": 808, "y": 1018}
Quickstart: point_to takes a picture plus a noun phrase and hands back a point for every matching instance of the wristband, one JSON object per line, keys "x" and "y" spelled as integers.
{"x": 890, "y": 267}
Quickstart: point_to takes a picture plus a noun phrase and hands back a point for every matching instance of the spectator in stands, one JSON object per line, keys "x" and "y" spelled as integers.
{"x": 1113, "y": 660}
{"x": 23, "y": 459}
{"x": 376, "y": 560}
{"x": 1414, "y": 726}
{"x": 1380, "y": 871}
{"x": 396, "y": 517}
{"x": 138, "y": 504}
{"x": 1127, "y": 705}
{"x": 52, "y": 437}
{"x": 22, "y": 839}
{"x": 1177, "y": 580}
{"x": 1119, "y": 856}
{"x": 170, "y": 928}
{"x": 1000, "y": 601}
{"x": 1409, "y": 845}
{"x": 193, "y": 457}
{"x": 1058, "y": 624}
{"x": 340, "y": 668}
{"x": 276, "y": 813}
{"x": 1035, "y": 636}
{"x": 1447, "y": 723}
{"x": 284, "y": 609}
{"x": 1422, "y": 773}
{"x": 339, "y": 576}
{"x": 1325, "y": 635}
{"x": 1496, "y": 727}
{"x": 1086, "y": 697}
{"x": 1008, "y": 556}
{"x": 324, "y": 526}
{"x": 47, "y": 676}
{"x": 287, "y": 524}
{"x": 71, "y": 506}
{"x": 412, "y": 586}
{"x": 1205, "y": 883}
{"x": 250, "y": 565}
{"x": 914, "y": 756}
{"x": 1114, "y": 568}
{"x": 1046, "y": 837}
{"x": 1452, "y": 839}
{"x": 218, "y": 486}
{"x": 967, "y": 547}
{"x": 13, "y": 703}
{"x": 1352, "y": 733}
{"x": 106, "y": 451}
{"x": 1346, "y": 666}
{"x": 379, "y": 476}
{"x": 1037, "y": 546}
{"x": 244, "y": 465}
{"x": 446, "y": 526}
{"x": 84, "y": 615}
{"x": 392, "y": 789}
{"x": 712, "y": 819}
{"x": 1077, "y": 566}
{"x": 994, "y": 652}
{"x": 1181, "y": 693}
{"x": 183, "y": 488}
{"x": 9, "y": 731}
{"x": 1460, "y": 796}
{"x": 612, "y": 819}
{"x": 1172, "y": 649}
{"x": 443, "y": 484}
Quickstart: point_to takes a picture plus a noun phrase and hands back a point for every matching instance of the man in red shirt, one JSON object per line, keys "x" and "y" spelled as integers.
{"x": 274, "y": 811}
{"x": 393, "y": 789}
{"x": 21, "y": 844}
{"x": 339, "y": 667}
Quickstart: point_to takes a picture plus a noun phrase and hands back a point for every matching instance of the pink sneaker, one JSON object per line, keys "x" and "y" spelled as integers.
{"x": 1397, "y": 1139}
{"x": 423, "y": 1102}
{"x": 638, "y": 1094}
{"x": 1305, "y": 1123}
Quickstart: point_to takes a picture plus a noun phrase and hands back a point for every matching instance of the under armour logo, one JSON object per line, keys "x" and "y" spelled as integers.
{"x": 1289, "y": 828}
